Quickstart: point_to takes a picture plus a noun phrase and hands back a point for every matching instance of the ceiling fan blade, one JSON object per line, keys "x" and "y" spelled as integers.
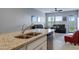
{"x": 55, "y": 9}
{"x": 60, "y": 10}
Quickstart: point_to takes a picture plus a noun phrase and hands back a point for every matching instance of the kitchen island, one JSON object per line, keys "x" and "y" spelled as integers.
{"x": 8, "y": 41}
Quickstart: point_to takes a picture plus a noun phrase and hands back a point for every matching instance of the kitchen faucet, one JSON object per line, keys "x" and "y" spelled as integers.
{"x": 23, "y": 29}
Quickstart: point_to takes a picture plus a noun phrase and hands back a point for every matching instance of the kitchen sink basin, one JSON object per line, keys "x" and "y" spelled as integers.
{"x": 22, "y": 37}
{"x": 27, "y": 35}
{"x": 32, "y": 34}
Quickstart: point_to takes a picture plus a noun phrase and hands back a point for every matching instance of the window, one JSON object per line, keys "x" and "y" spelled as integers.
{"x": 78, "y": 23}
{"x": 53, "y": 20}
{"x": 71, "y": 24}
{"x": 58, "y": 18}
{"x": 39, "y": 20}
{"x": 34, "y": 18}
{"x": 71, "y": 18}
{"x": 50, "y": 21}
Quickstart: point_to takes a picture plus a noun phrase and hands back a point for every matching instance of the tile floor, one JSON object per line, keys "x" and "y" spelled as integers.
{"x": 59, "y": 44}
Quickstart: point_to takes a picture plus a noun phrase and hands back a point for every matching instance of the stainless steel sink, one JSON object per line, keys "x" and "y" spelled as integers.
{"x": 22, "y": 37}
{"x": 27, "y": 35}
{"x": 32, "y": 34}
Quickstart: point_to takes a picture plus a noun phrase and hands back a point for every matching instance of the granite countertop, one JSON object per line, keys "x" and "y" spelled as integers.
{"x": 9, "y": 42}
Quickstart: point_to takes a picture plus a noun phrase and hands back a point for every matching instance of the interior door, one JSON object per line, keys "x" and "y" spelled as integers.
{"x": 50, "y": 21}
{"x": 71, "y": 24}
{"x": 78, "y": 23}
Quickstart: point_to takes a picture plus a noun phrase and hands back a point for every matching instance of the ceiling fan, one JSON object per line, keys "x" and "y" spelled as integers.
{"x": 56, "y": 10}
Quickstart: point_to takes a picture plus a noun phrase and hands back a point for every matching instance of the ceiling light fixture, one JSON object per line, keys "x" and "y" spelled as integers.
{"x": 58, "y": 10}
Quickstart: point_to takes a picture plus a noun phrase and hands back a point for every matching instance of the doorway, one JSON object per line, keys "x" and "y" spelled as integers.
{"x": 71, "y": 24}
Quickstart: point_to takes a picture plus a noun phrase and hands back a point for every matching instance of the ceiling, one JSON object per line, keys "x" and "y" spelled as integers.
{"x": 50, "y": 10}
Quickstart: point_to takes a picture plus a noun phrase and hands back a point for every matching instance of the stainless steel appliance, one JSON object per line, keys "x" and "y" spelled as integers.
{"x": 50, "y": 41}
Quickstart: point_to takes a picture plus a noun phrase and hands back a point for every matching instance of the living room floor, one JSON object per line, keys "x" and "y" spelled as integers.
{"x": 59, "y": 44}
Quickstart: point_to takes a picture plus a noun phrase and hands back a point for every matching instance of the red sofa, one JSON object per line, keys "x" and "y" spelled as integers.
{"x": 73, "y": 39}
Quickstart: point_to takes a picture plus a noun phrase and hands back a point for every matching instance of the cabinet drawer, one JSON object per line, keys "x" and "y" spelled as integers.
{"x": 34, "y": 44}
{"x": 23, "y": 47}
{"x": 43, "y": 46}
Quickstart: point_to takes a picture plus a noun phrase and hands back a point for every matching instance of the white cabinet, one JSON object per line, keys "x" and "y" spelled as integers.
{"x": 23, "y": 48}
{"x": 42, "y": 46}
{"x": 40, "y": 43}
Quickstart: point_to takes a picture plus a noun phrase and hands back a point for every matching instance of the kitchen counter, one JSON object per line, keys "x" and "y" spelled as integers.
{"x": 9, "y": 42}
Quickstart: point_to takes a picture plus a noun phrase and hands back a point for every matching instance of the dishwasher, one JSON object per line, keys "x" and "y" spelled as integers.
{"x": 50, "y": 41}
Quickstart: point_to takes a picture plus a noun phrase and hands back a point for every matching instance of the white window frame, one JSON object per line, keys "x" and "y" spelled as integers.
{"x": 60, "y": 20}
